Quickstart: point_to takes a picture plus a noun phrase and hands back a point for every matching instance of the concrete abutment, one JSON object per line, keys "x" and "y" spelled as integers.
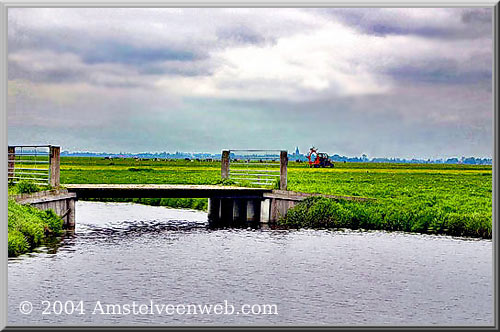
{"x": 60, "y": 201}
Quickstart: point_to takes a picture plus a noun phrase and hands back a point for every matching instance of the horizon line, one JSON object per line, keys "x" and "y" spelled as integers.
{"x": 289, "y": 153}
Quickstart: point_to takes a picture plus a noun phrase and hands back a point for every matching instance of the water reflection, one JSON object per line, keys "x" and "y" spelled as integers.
{"x": 121, "y": 252}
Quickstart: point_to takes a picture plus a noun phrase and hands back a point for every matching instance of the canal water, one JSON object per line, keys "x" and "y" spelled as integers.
{"x": 122, "y": 253}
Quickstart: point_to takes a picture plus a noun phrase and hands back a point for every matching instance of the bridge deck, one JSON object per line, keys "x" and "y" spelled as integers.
{"x": 163, "y": 191}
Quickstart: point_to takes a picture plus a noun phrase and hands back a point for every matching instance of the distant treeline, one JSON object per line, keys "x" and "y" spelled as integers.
{"x": 291, "y": 157}
{"x": 462, "y": 160}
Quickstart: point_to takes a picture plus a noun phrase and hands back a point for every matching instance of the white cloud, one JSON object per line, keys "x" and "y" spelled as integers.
{"x": 303, "y": 66}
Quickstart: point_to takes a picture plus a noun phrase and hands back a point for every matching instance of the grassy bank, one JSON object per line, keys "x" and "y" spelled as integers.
{"x": 415, "y": 197}
{"x": 319, "y": 212}
{"x": 28, "y": 227}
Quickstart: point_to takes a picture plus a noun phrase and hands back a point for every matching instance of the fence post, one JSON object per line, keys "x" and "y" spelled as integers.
{"x": 283, "y": 169}
{"x": 224, "y": 170}
{"x": 11, "y": 161}
{"x": 55, "y": 156}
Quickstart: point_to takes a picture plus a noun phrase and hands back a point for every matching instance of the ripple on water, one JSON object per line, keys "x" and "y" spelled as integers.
{"x": 121, "y": 252}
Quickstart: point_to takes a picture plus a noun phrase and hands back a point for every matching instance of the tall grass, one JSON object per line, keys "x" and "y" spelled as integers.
{"x": 28, "y": 226}
{"x": 26, "y": 187}
{"x": 320, "y": 212}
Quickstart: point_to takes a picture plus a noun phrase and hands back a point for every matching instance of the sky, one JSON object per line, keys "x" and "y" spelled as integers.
{"x": 385, "y": 82}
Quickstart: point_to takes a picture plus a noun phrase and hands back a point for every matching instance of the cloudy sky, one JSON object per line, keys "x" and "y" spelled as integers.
{"x": 384, "y": 82}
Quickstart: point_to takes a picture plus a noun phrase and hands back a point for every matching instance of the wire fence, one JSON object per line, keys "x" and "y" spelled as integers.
{"x": 258, "y": 167}
{"x": 29, "y": 163}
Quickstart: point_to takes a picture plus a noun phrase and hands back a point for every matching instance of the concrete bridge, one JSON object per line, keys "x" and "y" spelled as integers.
{"x": 225, "y": 203}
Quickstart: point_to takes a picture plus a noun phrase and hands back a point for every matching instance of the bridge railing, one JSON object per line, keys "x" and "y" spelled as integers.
{"x": 37, "y": 163}
{"x": 259, "y": 167}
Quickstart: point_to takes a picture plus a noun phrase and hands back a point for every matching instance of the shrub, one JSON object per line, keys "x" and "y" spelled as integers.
{"x": 27, "y": 187}
{"x": 17, "y": 243}
{"x": 142, "y": 169}
{"x": 53, "y": 221}
{"x": 225, "y": 182}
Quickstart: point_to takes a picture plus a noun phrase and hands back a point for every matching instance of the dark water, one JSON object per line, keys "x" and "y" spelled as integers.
{"x": 122, "y": 253}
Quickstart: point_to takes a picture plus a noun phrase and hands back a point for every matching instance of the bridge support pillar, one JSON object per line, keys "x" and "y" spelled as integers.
{"x": 233, "y": 210}
{"x": 226, "y": 209}
{"x": 214, "y": 209}
{"x": 239, "y": 210}
{"x": 253, "y": 210}
{"x": 265, "y": 211}
{"x": 71, "y": 213}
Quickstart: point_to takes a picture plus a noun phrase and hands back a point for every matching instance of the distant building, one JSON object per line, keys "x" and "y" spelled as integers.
{"x": 297, "y": 152}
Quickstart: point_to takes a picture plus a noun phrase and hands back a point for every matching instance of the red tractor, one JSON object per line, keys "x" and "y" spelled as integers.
{"x": 321, "y": 159}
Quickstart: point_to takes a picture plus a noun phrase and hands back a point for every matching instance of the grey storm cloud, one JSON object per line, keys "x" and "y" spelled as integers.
{"x": 479, "y": 15}
{"x": 382, "y": 81}
{"x": 467, "y": 23}
{"x": 242, "y": 35}
{"x": 166, "y": 56}
{"x": 17, "y": 71}
{"x": 440, "y": 71}
{"x": 92, "y": 50}
{"x": 110, "y": 51}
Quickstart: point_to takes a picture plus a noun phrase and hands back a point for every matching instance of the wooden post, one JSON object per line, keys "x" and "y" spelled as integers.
{"x": 224, "y": 167}
{"x": 55, "y": 156}
{"x": 283, "y": 169}
{"x": 11, "y": 161}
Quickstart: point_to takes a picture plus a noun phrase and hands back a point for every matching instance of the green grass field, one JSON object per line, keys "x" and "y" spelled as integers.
{"x": 407, "y": 195}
